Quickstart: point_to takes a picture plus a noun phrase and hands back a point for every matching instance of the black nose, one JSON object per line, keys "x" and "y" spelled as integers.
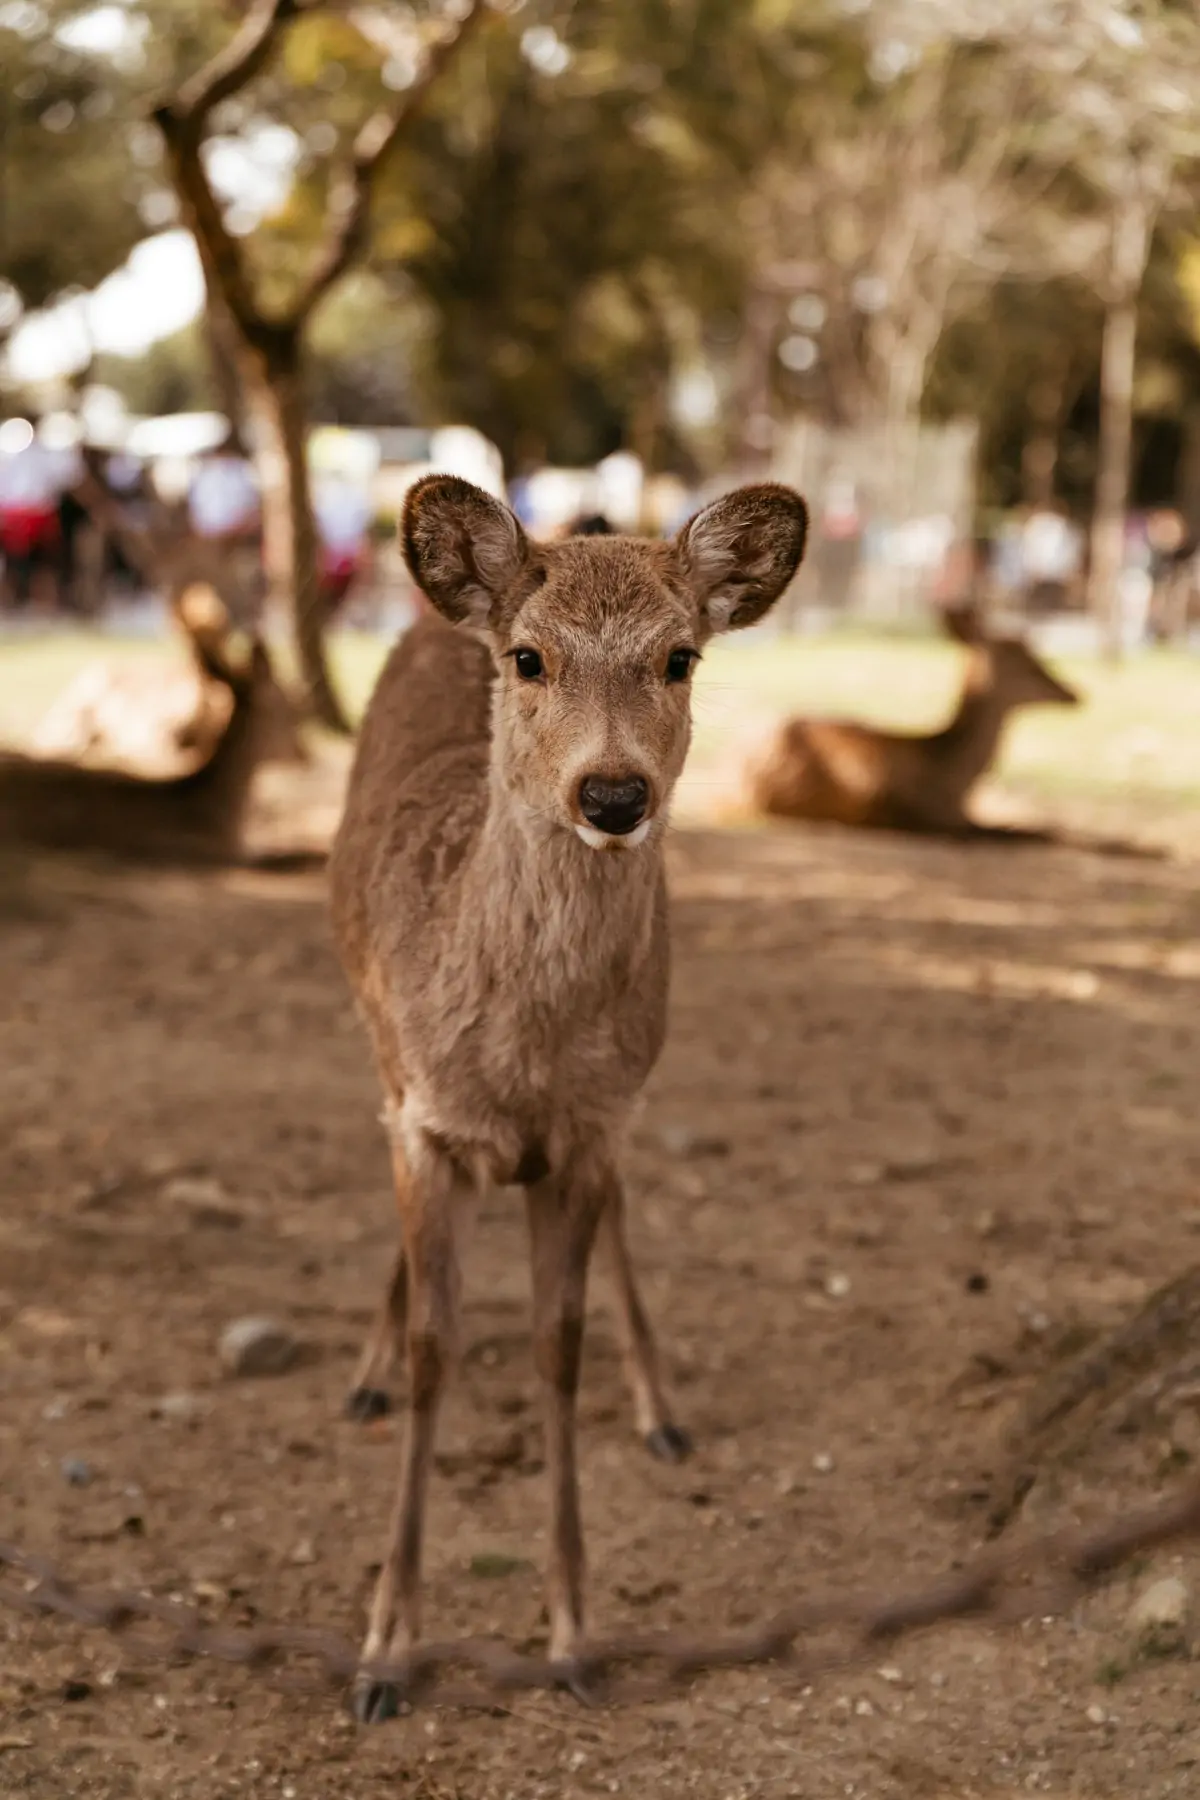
{"x": 617, "y": 807}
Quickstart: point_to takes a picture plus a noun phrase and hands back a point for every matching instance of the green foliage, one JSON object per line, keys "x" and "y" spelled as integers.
{"x": 588, "y": 203}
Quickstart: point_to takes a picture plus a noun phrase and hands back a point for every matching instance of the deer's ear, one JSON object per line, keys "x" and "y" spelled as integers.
{"x": 964, "y": 623}
{"x": 740, "y": 552}
{"x": 463, "y": 549}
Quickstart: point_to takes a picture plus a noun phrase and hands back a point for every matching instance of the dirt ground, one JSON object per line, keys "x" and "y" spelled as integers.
{"x": 924, "y": 1110}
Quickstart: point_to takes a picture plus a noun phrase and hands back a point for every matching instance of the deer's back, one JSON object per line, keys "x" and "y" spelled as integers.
{"x": 68, "y": 806}
{"x": 849, "y": 774}
{"x": 418, "y": 788}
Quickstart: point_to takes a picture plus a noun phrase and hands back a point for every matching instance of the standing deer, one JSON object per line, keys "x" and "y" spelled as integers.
{"x": 849, "y": 774}
{"x": 500, "y": 908}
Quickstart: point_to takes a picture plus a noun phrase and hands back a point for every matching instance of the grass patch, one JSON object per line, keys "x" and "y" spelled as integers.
{"x": 1130, "y": 755}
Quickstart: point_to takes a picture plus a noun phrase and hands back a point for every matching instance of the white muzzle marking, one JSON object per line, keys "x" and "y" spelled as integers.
{"x": 607, "y": 840}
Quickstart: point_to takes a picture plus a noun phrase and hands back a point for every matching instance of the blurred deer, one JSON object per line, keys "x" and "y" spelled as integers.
{"x": 833, "y": 770}
{"x": 148, "y": 719}
{"x": 500, "y": 908}
{"x": 197, "y": 817}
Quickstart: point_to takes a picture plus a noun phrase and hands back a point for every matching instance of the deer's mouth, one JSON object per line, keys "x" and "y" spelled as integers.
{"x": 618, "y": 841}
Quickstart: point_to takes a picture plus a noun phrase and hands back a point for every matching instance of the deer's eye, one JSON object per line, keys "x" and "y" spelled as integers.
{"x": 679, "y": 664}
{"x": 529, "y": 665}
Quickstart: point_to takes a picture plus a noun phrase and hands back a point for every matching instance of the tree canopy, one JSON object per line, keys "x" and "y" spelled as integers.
{"x": 853, "y": 208}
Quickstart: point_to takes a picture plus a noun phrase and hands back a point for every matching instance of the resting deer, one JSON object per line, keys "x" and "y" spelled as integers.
{"x": 499, "y": 904}
{"x": 826, "y": 769}
{"x": 146, "y": 718}
{"x": 195, "y": 817}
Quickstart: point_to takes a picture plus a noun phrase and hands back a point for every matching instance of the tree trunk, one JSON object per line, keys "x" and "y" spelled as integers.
{"x": 221, "y": 338}
{"x": 1112, "y": 469}
{"x": 291, "y": 547}
{"x": 1130, "y": 246}
{"x": 1188, "y": 478}
{"x": 1039, "y": 455}
{"x": 756, "y": 430}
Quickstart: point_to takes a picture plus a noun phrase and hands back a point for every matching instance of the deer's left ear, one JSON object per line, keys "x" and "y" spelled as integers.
{"x": 740, "y": 553}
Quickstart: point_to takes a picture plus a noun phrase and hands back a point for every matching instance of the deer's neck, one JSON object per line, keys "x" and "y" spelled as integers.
{"x": 969, "y": 742}
{"x": 576, "y": 916}
{"x": 222, "y": 784}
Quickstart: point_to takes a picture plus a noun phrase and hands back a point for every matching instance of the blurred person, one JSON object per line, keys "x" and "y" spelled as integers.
{"x": 223, "y": 499}
{"x": 1172, "y": 556}
{"x": 839, "y": 545}
{"x": 1051, "y": 558}
{"x": 1007, "y": 561}
{"x": 31, "y": 483}
{"x": 343, "y": 514}
{"x": 589, "y": 525}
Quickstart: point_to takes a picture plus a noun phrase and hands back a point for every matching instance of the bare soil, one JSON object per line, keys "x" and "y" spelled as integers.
{"x": 927, "y": 1118}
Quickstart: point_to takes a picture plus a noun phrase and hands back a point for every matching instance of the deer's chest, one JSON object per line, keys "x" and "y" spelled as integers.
{"x": 540, "y": 1048}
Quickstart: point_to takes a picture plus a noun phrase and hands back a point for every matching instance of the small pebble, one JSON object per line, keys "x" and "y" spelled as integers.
{"x": 822, "y": 1462}
{"x": 181, "y": 1408}
{"x": 1159, "y": 1616}
{"x": 890, "y": 1672}
{"x": 75, "y": 1471}
{"x": 257, "y": 1347}
{"x": 1096, "y": 1714}
{"x": 837, "y": 1286}
{"x": 681, "y": 1140}
{"x": 193, "y": 1190}
{"x": 864, "y": 1709}
{"x": 866, "y": 1174}
{"x": 304, "y": 1552}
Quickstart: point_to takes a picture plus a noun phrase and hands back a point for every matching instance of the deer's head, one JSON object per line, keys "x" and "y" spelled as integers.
{"x": 1006, "y": 665}
{"x": 250, "y": 678}
{"x": 595, "y": 640}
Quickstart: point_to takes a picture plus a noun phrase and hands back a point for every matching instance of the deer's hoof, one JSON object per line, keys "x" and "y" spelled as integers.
{"x": 669, "y": 1444}
{"x": 375, "y": 1702}
{"x": 367, "y": 1403}
{"x": 579, "y": 1684}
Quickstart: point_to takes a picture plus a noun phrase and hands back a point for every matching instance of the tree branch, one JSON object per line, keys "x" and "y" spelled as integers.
{"x": 245, "y": 55}
{"x": 181, "y": 120}
{"x": 350, "y": 200}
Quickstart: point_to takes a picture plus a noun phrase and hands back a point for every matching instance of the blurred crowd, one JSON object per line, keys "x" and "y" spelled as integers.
{"x": 59, "y": 557}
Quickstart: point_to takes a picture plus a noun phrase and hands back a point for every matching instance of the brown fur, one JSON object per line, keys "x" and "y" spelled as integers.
{"x": 513, "y": 977}
{"x": 849, "y": 774}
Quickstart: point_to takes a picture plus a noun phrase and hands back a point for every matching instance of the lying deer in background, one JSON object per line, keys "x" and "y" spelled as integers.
{"x": 858, "y": 775}
{"x": 499, "y": 904}
{"x": 195, "y": 817}
{"x": 147, "y": 719}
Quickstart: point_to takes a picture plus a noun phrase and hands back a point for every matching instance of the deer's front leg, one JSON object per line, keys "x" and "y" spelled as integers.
{"x": 433, "y": 1191}
{"x": 564, "y": 1212}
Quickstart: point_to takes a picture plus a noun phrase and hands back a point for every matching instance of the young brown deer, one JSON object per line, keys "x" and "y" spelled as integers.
{"x": 195, "y": 817}
{"x": 499, "y": 904}
{"x": 833, "y": 770}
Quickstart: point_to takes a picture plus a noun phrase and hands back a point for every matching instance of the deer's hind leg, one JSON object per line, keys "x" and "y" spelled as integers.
{"x": 661, "y": 1435}
{"x": 369, "y": 1397}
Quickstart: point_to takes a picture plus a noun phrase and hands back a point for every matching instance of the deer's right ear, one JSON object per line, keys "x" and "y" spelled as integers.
{"x": 464, "y": 550}
{"x": 741, "y": 551}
